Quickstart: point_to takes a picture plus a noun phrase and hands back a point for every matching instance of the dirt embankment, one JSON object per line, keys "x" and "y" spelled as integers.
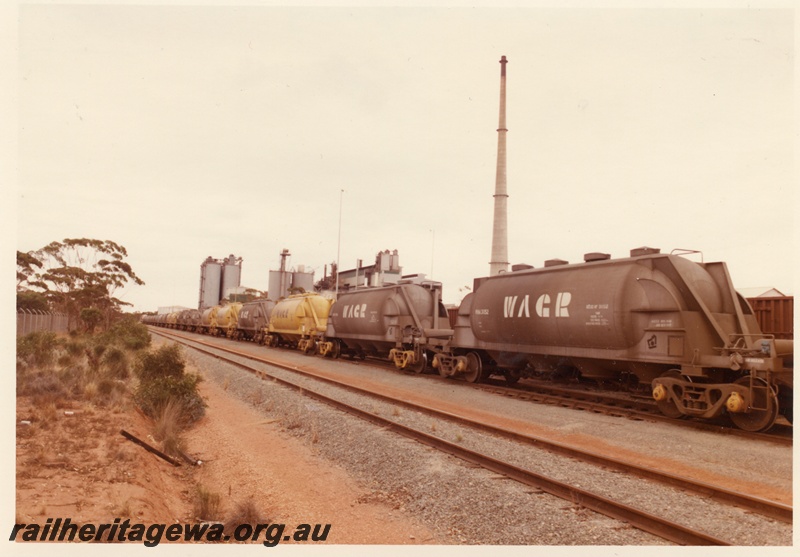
{"x": 72, "y": 462}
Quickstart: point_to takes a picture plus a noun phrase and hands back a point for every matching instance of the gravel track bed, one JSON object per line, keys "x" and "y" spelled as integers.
{"x": 466, "y": 504}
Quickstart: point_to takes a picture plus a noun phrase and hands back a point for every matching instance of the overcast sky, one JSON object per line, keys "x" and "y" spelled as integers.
{"x": 191, "y": 131}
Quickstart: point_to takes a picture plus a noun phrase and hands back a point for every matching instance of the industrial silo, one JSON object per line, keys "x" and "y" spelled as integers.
{"x": 231, "y": 274}
{"x": 303, "y": 279}
{"x": 210, "y": 283}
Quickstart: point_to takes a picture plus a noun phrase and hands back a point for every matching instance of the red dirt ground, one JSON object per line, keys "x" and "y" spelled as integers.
{"x": 73, "y": 462}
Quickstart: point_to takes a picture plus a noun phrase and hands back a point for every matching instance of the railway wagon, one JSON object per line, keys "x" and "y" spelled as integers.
{"x": 296, "y": 321}
{"x": 254, "y": 320}
{"x": 208, "y": 320}
{"x": 227, "y": 320}
{"x": 401, "y": 322}
{"x": 657, "y": 320}
{"x": 189, "y": 320}
{"x": 171, "y": 321}
{"x": 775, "y": 315}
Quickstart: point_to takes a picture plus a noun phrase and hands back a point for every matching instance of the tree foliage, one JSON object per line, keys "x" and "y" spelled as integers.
{"x": 27, "y": 265}
{"x": 77, "y": 275}
{"x": 32, "y": 301}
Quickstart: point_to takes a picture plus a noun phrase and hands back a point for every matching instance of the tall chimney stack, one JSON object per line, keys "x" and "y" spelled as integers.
{"x": 499, "y": 262}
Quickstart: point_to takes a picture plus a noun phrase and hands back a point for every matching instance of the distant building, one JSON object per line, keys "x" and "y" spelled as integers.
{"x": 761, "y": 292}
{"x": 386, "y": 270}
{"x": 170, "y": 309}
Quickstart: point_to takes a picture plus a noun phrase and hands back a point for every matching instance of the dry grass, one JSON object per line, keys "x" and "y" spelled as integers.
{"x": 37, "y": 456}
{"x": 90, "y": 391}
{"x": 245, "y": 512}
{"x": 207, "y": 505}
{"x": 121, "y": 454}
{"x": 257, "y": 397}
{"x": 124, "y": 510}
{"x": 47, "y": 413}
{"x": 293, "y": 418}
{"x": 168, "y": 428}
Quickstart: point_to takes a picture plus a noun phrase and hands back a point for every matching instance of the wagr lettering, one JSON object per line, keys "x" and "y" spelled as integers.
{"x": 356, "y": 310}
{"x": 544, "y": 305}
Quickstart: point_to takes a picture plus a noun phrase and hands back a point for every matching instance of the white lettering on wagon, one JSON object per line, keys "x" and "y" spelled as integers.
{"x": 754, "y": 360}
{"x": 511, "y": 303}
{"x": 355, "y": 310}
{"x": 513, "y": 306}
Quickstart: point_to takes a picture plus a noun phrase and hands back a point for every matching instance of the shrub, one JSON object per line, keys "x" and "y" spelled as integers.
{"x": 166, "y": 361}
{"x": 73, "y": 347}
{"x": 153, "y": 395}
{"x": 129, "y": 333}
{"x": 93, "y": 355}
{"x": 91, "y": 317}
{"x": 36, "y": 349}
{"x": 74, "y": 378}
{"x": 41, "y": 385}
{"x": 115, "y": 363}
{"x": 245, "y": 512}
{"x": 162, "y": 381}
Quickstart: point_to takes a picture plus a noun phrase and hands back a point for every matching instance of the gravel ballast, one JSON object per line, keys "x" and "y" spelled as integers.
{"x": 465, "y": 504}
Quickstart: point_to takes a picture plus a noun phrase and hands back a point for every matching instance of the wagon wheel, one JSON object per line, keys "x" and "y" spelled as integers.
{"x": 765, "y": 401}
{"x": 668, "y": 406}
{"x": 336, "y": 349}
{"x": 474, "y": 372}
{"x": 420, "y": 366}
{"x": 785, "y": 400}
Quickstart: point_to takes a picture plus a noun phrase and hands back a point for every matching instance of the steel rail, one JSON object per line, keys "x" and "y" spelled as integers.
{"x": 642, "y": 520}
{"x": 765, "y": 507}
{"x": 617, "y": 406}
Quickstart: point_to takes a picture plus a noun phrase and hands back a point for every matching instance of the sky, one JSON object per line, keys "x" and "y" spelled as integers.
{"x": 336, "y": 132}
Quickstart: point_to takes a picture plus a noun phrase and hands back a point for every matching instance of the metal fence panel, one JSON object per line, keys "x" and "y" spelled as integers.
{"x": 31, "y": 321}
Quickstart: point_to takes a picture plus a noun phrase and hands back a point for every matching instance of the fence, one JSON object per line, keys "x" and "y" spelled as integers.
{"x": 30, "y": 321}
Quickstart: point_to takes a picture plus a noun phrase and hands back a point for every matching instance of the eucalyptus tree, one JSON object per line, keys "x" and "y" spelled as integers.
{"x": 78, "y": 274}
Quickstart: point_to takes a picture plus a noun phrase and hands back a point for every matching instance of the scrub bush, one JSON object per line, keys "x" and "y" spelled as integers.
{"x": 162, "y": 381}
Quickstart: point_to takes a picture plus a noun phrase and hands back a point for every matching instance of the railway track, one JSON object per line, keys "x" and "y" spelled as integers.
{"x": 626, "y": 406}
{"x": 640, "y": 519}
{"x": 612, "y": 404}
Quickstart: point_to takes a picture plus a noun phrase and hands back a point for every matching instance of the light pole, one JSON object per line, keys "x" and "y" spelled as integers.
{"x": 433, "y": 245}
{"x": 339, "y": 245}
